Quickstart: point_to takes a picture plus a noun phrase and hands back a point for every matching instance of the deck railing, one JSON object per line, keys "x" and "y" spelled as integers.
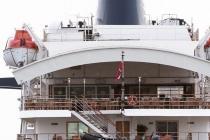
{"x": 126, "y": 136}
{"x": 131, "y": 102}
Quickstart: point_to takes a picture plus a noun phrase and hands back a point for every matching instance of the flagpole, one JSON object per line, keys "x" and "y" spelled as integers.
{"x": 123, "y": 83}
{"x": 123, "y": 93}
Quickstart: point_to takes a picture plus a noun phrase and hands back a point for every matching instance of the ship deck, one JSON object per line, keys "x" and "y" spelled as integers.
{"x": 116, "y": 104}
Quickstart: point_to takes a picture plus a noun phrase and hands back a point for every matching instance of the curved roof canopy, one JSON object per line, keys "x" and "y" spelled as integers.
{"x": 111, "y": 54}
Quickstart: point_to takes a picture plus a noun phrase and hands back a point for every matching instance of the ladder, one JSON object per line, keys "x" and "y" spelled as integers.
{"x": 94, "y": 118}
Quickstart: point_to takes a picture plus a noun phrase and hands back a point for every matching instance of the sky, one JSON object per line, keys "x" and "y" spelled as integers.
{"x": 38, "y": 13}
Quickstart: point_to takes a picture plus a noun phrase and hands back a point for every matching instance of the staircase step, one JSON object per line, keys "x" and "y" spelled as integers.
{"x": 95, "y": 124}
{"x": 92, "y": 121}
{"x": 86, "y": 117}
{"x": 102, "y": 130}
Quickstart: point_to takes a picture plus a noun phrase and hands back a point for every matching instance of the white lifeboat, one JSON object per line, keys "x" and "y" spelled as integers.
{"x": 21, "y": 50}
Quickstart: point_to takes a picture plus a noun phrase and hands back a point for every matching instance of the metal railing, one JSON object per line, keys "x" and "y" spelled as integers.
{"x": 90, "y": 114}
{"x": 132, "y": 101}
{"x": 94, "y": 116}
{"x": 65, "y": 34}
{"x": 127, "y": 136}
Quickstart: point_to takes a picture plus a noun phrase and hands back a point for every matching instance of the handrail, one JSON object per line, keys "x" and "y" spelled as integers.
{"x": 93, "y": 110}
{"x": 89, "y": 116}
{"x": 88, "y": 108}
{"x": 129, "y": 77}
{"x": 92, "y": 118}
{"x": 97, "y": 116}
{"x": 106, "y": 118}
{"x": 184, "y": 135}
{"x": 90, "y": 96}
{"x": 43, "y": 103}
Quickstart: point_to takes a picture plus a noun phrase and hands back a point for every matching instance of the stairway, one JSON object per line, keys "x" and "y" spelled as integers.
{"x": 93, "y": 118}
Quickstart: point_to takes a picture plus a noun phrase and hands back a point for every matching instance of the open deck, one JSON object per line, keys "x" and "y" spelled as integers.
{"x": 116, "y": 104}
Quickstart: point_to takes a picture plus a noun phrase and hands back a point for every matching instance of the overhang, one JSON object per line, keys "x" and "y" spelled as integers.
{"x": 167, "y": 112}
{"x": 45, "y": 114}
{"x": 111, "y": 54}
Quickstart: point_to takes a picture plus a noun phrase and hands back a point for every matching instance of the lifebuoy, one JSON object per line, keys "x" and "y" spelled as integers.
{"x": 132, "y": 100}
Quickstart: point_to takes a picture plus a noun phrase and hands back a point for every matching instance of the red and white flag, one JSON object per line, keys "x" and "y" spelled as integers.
{"x": 119, "y": 71}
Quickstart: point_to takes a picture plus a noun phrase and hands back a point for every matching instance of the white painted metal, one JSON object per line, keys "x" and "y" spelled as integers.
{"x": 45, "y": 114}
{"x": 111, "y": 54}
{"x": 113, "y": 112}
{"x": 167, "y": 112}
{"x": 180, "y": 46}
{"x": 19, "y": 56}
{"x": 120, "y": 32}
{"x": 66, "y": 34}
{"x": 127, "y": 112}
{"x": 169, "y": 22}
{"x": 141, "y": 32}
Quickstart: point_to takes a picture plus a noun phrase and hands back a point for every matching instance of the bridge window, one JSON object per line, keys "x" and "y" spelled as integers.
{"x": 170, "y": 91}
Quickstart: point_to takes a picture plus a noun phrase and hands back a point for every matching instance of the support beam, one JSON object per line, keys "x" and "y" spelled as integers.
{"x": 111, "y": 54}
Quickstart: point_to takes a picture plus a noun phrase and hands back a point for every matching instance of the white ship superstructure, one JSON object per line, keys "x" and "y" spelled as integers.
{"x": 70, "y": 90}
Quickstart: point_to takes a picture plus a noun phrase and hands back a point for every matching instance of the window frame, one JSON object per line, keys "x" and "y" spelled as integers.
{"x": 167, "y": 123}
{"x": 78, "y": 122}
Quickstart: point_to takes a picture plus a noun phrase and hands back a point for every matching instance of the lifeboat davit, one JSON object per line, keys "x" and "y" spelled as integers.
{"x": 21, "y": 50}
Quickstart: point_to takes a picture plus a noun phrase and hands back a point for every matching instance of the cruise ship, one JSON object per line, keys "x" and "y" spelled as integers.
{"x": 116, "y": 76}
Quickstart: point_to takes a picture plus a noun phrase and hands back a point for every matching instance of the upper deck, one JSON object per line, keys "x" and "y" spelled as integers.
{"x": 117, "y": 33}
{"x": 157, "y": 87}
{"x": 174, "y": 38}
{"x": 159, "y": 71}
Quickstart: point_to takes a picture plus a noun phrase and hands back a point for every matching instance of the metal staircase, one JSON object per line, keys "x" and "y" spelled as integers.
{"x": 93, "y": 118}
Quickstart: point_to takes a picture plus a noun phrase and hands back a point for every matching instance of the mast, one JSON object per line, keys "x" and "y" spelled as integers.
{"x": 123, "y": 93}
{"x": 123, "y": 83}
